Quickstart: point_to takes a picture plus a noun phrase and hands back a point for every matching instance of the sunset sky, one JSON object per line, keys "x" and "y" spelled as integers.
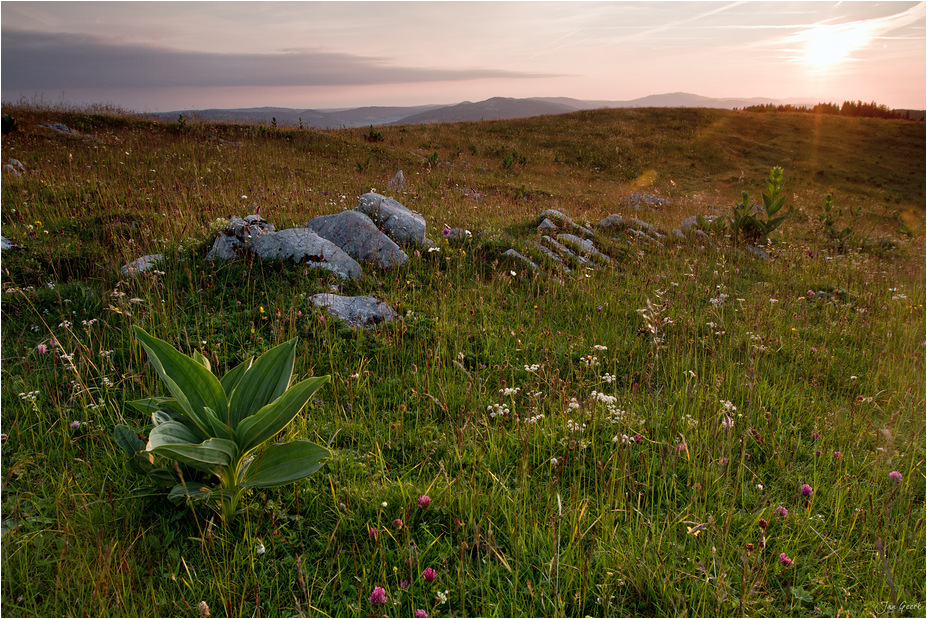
{"x": 164, "y": 56}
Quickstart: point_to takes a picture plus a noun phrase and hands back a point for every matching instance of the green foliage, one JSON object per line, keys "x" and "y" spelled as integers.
{"x": 8, "y": 124}
{"x": 373, "y": 136}
{"x": 221, "y": 428}
{"x": 746, "y": 225}
{"x": 839, "y": 238}
{"x": 433, "y": 159}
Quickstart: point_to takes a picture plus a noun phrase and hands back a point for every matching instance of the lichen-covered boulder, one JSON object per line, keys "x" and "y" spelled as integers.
{"x": 405, "y": 227}
{"x": 358, "y": 237}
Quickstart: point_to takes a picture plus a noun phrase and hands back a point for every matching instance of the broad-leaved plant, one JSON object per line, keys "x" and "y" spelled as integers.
{"x": 748, "y": 226}
{"x": 211, "y": 439}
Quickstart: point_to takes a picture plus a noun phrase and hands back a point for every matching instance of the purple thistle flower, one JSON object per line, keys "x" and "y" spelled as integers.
{"x": 424, "y": 501}
{"x": 784, "y": 560}
{"x": 429, "y": 574}
{"x": 75, "y": 424}
{"x": 373, "y": 533}
{"x": 815, "y": 436}
{"x": 781, "y": 511}
{"x": 378, "y": 596}
{"x": 896, "y": 477}
{"x": 446, "y": 232}
{"x": 404, "y": 584}
{"x": 420, "y": 614}
{"x": 837, "y": 455}
{"x": 806, "y": 490}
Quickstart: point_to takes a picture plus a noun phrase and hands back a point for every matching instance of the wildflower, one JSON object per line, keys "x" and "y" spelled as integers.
{"x": 806, "y": 490}
{"x": 75, "y": 424}
{"x": 749, "y": 547}
{"x": 727, "y": 423}
{"x": 724, "y": 461}
{"x": 419, "y": 613}
{"x": 378, "y": 596}
{"x": 384, "y": 504}
{"x": 429, "y": 574}
{"x": 432, "y": 249}
{"x": 815, "y": 436}
{"x": 763, "y": 524}
{"x": 554, "y": 461}
{"x": 373, "y": 533}
{"x": 446, "y": 232}
{"x": 259, "y": 548}
{"x": 784, "y": 560}
{"x": 41, "y": 348}
{"x": 203, "y": 608}
{"x": 397, "y": 524}
{"x": 818, "y": 452}
{"x": 404, "y": 584}
{"x": 896, "y": 477}
{"x": 424, "y": 501}
{"x": 837, "y": 455}
{"x": 781, "y": 511}
{"x": 638, "y": 438}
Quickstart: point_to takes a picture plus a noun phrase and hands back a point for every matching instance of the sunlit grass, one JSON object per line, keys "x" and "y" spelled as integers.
{"x": 578, "y": 462}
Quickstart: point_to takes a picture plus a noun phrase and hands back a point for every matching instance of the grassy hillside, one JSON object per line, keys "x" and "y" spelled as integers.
{"x": 664, "y": 413}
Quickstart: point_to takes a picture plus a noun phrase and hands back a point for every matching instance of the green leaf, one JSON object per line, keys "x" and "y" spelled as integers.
{"x": 800, "y": 594}
{"x": 194, "y": 387}
{"x": 284, "y": 463}
{"x": 262, "y": 383}
{"x": 203, "y": 361}
{"x": 275, "y": 416}
{"x": 231, "y": 378}
{"x": 175, "y": 441}
{"x": 166, "y": 478}
{"x": 141, "y": 462}
{"x": 172, "y": 407}
{"x": 159, "y": 417}
{"x": 128, "y": 440}
{"x": 187, "y": 490}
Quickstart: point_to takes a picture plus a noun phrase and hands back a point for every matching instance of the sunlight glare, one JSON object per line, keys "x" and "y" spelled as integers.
{"x": 828, "y": 46}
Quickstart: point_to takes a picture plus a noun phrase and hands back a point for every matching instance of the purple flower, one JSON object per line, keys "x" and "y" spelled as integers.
{"x": 638, "y": 438}
{"x": 397, "y": 524}
{"x": 373, "y": 533}
{"x": 815, "y": 436}
{"x": 896, "y": 477}
{"x": 424, "y": 501}
{"x": 817, "y": 452}
{"x": 446, "y": 232}
{"x": 781, "y": 511}
{"x": 404, "y": 584}
{"x": 41, "y": 348}
{"x": 749, "y": 547}
{"x": 813, "y": 349}
{"x": 75, "y": 424}
{"x": 837, "y": 455}
{"x": 429, "y": 574}
{"x": 763, "y": 524}
{"x": 806, "y": 490}
{"x": 378, "y": 596}
{"x": 784, "y": 560}
{"x": 419, "y": 613}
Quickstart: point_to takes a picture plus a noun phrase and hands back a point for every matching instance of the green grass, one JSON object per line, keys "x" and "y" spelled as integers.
{"x": 529, "y": 516}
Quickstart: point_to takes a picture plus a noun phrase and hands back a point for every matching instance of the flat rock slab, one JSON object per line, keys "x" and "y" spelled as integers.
{"x": 140, "y": 265}
{"x": 563, "y": 250}
{"x": 303, "y": 246}
{"x": 514, "y": 254}
{"x": 365, "y": 312}
{"x": 555, "y": 216}
{"x": 357, "y": 236}
{"x": 405, "y": 227}
{"x": 585, "y": 246}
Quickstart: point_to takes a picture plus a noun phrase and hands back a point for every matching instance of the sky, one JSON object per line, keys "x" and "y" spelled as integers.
{"x": 166, "y": 56}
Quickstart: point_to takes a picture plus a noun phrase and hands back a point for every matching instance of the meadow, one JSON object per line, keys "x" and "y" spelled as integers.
{"x": 691, "y": 431}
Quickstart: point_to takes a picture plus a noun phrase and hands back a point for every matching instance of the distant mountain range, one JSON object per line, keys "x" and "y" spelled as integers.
{"x": 495, "y": 108}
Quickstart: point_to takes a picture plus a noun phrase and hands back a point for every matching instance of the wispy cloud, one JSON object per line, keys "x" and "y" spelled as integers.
{"x": 33, "y": 60}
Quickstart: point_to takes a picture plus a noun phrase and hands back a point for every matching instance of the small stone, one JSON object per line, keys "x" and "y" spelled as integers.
{"x": 140, "y": 265}
{"x": 363, "y": 311}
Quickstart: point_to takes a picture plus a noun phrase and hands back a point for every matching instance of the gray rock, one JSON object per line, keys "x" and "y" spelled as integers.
{"x": 9, "y": 169}
{"x": 239, "y": 235}
{"x": 547, "y": 224}
{"x": 303, "y": 246}
{"x": 514, "y": 254}
{"x": 563, "y": 250}
{"x": 585, "y": 246}
{"x": 612, "y": 221}
{"x": 16, "y": 163}
{"x": 756, "y": 251}
{"x": 357, "y": 236}
{"x": 690, "y": 222}
{"x": 644, "y": 235}
{"x": 553, "y": 256}
{"x": 6, "y": 243}
{"x": 456, "y": 234}
{"x": 140, "y": 265}
{"x": 394, "y": 219}
{"x": 364, "y": 312}
{"x": 638, "y": 199}
{"x": 397, "y": 183}
{"x": 563, "y": 221}
{"x": 60, "y": 128}
{"x": 678, "y": 233}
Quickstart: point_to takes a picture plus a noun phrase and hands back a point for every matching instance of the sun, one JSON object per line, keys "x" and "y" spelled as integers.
{"x": 828, "y": 46}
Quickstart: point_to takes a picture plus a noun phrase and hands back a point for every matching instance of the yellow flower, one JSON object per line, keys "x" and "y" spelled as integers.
{"x": 262, "y": 309}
